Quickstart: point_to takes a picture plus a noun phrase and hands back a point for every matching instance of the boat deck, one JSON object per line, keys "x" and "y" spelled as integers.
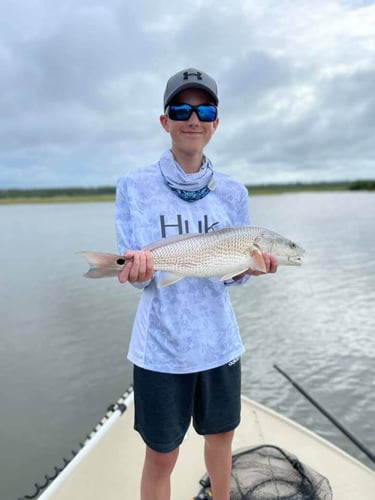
{"x": 111, "y": 466}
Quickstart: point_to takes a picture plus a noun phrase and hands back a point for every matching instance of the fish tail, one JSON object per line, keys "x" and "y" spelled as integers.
{"x": 103, "y": 265}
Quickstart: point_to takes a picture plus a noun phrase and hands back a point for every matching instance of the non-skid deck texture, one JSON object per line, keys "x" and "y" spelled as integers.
{"x": 112, "y": 470}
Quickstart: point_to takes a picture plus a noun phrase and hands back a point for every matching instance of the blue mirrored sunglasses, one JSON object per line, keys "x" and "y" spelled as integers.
{"x": 182, "y": 112}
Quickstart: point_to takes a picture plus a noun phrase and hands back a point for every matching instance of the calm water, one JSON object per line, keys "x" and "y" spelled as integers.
{"x": 64, "y": 338}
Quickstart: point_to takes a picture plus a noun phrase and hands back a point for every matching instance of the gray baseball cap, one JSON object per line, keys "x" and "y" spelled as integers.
{"x": 190, "y": 78}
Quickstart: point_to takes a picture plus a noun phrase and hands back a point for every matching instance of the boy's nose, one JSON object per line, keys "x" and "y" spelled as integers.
{"x": 194, "y": 118}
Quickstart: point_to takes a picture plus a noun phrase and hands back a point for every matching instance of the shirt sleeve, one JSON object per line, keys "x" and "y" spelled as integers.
{"x": 123, "y": 229}
{"x": 124, "y": 226}
{"x": 242, "y": 218}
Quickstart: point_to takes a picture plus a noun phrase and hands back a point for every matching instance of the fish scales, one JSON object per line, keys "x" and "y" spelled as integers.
{"x": 223, "y": 253}
{"x": 208, "y": 254}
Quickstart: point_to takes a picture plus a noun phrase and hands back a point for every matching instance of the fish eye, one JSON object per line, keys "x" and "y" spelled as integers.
{"x": 293, "y": 245}
{"x": 120, "y": 261}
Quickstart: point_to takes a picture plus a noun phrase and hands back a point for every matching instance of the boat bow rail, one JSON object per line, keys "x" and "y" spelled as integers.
{"x": 60, "y": 473}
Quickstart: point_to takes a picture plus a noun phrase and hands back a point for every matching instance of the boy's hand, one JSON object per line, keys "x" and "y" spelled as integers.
{"x": 139, "y": 269}
{"x": 270, "y": 262}
{"x": 271, "y": 267}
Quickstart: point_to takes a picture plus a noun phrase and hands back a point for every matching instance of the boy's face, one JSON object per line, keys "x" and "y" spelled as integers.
{"x": 191, "y": 136}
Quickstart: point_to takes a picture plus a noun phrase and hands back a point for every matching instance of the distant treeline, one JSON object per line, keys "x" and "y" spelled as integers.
{"x": 359, "y": 185}
{"x": 106, "y": 192}
{"x": 51, "y": 192}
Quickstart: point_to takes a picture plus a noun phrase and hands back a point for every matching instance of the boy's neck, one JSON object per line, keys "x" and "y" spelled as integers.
{"x": 190, "y": 163}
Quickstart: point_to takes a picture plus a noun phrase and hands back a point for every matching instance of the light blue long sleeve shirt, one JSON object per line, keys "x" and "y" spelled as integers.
{"x": 189, "y": 326}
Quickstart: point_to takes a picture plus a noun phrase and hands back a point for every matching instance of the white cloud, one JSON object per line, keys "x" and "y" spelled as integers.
{"x": 82, "y": 84}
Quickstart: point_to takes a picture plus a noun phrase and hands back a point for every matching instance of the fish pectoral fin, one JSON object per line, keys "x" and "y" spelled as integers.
{"x": 257, "y": 262}
{"x": 166, "y": 279}
{"x": 232, "y": 274}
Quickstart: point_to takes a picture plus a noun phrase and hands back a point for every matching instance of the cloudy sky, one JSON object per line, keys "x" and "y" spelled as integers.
{"x": 81, "y": 85}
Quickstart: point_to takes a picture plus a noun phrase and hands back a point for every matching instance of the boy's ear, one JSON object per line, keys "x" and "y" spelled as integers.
{"x": 216, "y": 123}
{"x": 164, "y": 122}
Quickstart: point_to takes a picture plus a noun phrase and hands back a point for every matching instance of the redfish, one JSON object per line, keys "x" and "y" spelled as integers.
{"x": 223, "y": 253}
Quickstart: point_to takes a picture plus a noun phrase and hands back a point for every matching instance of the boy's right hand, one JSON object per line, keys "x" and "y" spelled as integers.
{"x": 140, "y": 267}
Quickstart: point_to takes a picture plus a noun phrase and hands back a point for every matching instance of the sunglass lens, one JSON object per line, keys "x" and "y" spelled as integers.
{"x": 207, "y": 113}
{"x": 180, "y": 112}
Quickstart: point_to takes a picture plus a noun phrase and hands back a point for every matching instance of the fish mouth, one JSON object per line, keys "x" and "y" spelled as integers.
{"x": 295, "y": 260}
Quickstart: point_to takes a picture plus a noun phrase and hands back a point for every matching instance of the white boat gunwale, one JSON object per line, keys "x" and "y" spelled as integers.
{"x": 259, "y": 425}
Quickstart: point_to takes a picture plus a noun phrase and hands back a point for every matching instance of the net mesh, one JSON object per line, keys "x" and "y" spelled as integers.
{"x": 271, "y": 473}
{"x": 268, "y": 472}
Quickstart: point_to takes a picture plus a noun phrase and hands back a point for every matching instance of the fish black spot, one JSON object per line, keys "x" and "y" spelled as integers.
{"x": 120, "y": 261}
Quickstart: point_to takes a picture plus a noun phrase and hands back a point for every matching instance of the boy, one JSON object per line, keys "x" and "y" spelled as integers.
{"x": 185, "y": 343}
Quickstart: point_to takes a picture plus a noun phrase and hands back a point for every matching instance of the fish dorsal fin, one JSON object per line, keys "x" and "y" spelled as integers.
{"x": 170, "y": 239}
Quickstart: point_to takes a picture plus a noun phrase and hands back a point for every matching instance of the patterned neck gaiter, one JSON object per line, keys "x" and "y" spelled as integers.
{"x": 189, "y": 187}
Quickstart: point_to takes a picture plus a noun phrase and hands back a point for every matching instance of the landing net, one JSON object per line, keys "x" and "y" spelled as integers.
{"x": 270, "y": 473}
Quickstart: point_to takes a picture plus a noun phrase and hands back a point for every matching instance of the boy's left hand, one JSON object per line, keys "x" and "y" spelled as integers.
{"x": 271, "y": 267}
{"x": 270, "y": 262}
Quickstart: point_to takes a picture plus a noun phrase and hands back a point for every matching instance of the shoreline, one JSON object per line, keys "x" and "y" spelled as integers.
{"x": 107, "y": 194}
{"x": 31, "y": 200}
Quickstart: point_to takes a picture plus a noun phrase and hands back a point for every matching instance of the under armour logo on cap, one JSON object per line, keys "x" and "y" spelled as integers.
{"x": 198, "y": 74}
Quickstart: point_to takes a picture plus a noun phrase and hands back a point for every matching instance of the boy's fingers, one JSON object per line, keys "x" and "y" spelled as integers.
{"x": 273, "y": 265}
{"x": 270, "y": 262}
{"x": 139, "y": 268}
{"x": 124, "y": 274}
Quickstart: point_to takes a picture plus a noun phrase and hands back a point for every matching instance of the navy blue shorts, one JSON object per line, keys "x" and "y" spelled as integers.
{"x": 165, "y": 404}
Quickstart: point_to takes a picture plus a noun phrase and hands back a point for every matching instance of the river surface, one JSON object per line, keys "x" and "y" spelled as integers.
{"x": 64, "y": 338}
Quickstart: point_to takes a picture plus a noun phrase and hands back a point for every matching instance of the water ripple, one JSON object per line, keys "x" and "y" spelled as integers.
{"x": 64, "y": 339}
